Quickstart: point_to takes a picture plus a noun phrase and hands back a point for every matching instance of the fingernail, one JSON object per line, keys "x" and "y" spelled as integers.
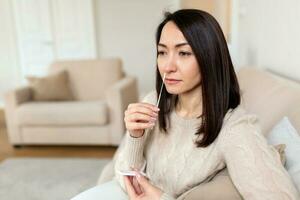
{"x": 153, "y": 119}
{"x": 156, "y": 108}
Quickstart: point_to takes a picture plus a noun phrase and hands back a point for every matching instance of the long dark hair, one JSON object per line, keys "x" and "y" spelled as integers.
{"x": 220, "y": 88}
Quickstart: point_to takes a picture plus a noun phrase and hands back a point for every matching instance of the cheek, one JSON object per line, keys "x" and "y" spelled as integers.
{"x": 192, "y": 71}
{"x": 160, "y": 63}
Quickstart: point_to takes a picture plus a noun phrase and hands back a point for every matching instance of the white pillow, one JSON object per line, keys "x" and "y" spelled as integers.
{"x": 285, "y": 133}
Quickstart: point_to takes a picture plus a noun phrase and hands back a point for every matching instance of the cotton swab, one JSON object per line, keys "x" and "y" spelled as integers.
{"x": 162, "y": 84}
{"x": 161, "y": 87}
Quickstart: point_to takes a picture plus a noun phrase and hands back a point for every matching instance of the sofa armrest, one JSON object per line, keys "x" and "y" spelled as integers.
{"x": 12, "y": 99}
{"x": 118, "y": 96}
{"x": 19, "y": 95}
{"x": 107, "y": 173}
{"x": 219, "y": 187}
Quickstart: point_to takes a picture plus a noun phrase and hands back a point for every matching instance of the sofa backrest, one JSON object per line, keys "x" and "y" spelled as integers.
{"x": 90, "y": 78}
{"x": 270, "y": 97}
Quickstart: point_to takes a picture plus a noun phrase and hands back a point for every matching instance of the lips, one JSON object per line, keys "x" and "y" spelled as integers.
{"x": 170, "y": 79}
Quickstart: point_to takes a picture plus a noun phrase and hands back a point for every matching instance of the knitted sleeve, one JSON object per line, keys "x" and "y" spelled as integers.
{"x": 131, "y": 153}
{"x": 253, "y": 165}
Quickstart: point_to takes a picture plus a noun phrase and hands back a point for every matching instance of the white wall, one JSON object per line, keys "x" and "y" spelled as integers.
{"x": 9, "y": 71}
{"x": 269, "y": 35}
{"x": 127, "y": 29}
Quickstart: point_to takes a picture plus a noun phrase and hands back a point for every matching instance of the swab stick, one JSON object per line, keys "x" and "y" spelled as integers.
{"x": 162, "y": 85}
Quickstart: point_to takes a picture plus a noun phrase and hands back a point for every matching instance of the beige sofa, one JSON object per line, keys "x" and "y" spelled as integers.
{"x": 263, "y": 93}
{"x": 102, "y": 92}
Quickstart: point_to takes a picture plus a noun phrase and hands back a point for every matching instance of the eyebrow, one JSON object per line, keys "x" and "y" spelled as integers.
{"x": 177, "y": 45}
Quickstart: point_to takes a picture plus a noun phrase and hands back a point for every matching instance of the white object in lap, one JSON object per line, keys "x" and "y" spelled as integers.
{"x": 130, "y": 173}
{"x": 109, "y": 190}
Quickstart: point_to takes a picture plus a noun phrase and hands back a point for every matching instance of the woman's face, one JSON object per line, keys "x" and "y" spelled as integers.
{"x": 177, "y": 60}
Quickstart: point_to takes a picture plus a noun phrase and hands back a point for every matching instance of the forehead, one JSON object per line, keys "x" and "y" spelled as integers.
{"x": 171, "y": 34}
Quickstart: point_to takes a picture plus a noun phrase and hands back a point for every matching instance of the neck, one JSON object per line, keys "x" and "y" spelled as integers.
{"x": 190, "y": 103}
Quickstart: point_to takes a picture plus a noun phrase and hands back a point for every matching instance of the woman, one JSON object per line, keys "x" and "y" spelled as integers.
{"x": 198, "y": 127}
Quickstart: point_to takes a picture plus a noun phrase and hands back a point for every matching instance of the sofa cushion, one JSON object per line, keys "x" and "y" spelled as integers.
{"x": 220, "y": 187}
{"x": 270, "y": 97}
{"x": 89, "y": 79}
{"x": 284, "y": 132}
{"x": 63, "y": 113}
{"x": 54, "y": 87}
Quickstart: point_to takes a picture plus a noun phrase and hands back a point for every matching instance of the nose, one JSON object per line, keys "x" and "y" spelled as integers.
{"x": 170, "y": 64}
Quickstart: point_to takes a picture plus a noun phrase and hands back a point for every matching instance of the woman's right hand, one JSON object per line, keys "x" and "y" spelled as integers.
{"x": 140, "y": 116}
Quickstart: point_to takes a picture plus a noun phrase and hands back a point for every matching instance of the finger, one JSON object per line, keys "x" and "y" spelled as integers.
{"x": 144, "y": 104}
{"x": 143, "y": 181}
{"x": 130, "y": 190}
{"x": 130, "y": 178}
{"x": 141, "y": 109}
{"x": 136, "y": 186}
{"x": 133, "y": 107}
{"x": 152, "y": 106}
{"x": 138, "y": 126}
{"x": 139, "y": 117}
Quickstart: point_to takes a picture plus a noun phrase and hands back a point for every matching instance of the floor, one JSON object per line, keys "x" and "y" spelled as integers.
{"x": 7, "y": 151}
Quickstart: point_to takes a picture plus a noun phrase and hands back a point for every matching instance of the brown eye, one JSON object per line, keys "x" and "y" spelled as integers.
{"x": 161, "y": 53}
{"x": 184, "y": 53}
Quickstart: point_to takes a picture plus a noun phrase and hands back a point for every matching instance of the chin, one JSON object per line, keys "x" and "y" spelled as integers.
{"x": 179, "y": 90}
{"x": 174, "y": 91}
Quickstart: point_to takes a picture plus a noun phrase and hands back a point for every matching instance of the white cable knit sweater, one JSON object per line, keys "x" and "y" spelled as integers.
{"x": 175, "y": 164}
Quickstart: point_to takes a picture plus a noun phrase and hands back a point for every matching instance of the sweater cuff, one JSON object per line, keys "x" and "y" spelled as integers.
{"x": 166, "y": 196}
{"x": 135, "y": 150}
